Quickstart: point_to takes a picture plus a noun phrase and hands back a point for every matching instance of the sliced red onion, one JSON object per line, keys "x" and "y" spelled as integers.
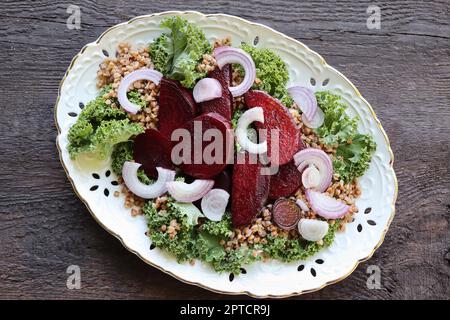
{"x": 320, "y": 160}
{"x": 154, "y": 190}
{"x": 189, "y": 192}
{"x": 305, "y": 99}
{"x": 302, "y": 205}
{"x": 312, "y": 229}
{"x": 325, "y": 206}
{"x": 207, "y": 89}
{"x": 225, "y": 55}
{"x": 141, "y": 74}
{"x": 214, "y": 204}
{"x": 311, "y": 177}
{"x": 317, "y": 120}
{"x": 249, "y": 116}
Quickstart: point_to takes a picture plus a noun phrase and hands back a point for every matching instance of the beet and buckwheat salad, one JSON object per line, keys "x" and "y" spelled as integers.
{"x": 229, "y": 161}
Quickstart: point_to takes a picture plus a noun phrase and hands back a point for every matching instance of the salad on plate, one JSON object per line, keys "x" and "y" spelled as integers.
{"x": 229, "y": 162}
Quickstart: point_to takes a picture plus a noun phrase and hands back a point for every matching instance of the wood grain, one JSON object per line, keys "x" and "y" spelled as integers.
{"x": 403, "y": 70}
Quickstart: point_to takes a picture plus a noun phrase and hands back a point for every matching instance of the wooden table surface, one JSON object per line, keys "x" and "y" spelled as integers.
{"x": 402, "y": 69}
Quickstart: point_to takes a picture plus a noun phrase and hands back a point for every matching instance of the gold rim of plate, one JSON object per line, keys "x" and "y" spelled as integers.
{"x": 171, "y": 273}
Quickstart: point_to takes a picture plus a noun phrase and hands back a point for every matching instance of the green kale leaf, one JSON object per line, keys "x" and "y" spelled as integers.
{"x": 354, "y": 150}
{"x": 271, "y": 71}
{"x": 183, "y": 244}
{"x": 289, "y": 250}
{"x": 98, "y": 128}
{"x": 353, "y": 159}
{"x": 176, "y": 54}
{"x": 338, "y": 127}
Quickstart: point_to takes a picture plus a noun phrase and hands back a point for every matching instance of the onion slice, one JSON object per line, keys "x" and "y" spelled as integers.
{"x": 311, "y": 177}
{"x": 141, "y": 74}
{"x": 305, "y": 99}
{"x": 207, "y": 89}
{"x": 302, "y": 205}
{"x": 316, "y": 121}
{"x": 320, "y": 160}
{"x": 214, "y": 204}
{"x": 249, "y": 116}
{"x": 225, "y": 55}
{"x": 154, "y": 190}
{"x": 189, "y": 192}
{"x": 312, "y": 230}
{"x": 326, "y": 206}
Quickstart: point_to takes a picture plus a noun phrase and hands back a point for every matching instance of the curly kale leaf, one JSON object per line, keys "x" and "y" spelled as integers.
{"x": 98, "y": 128}
{"x": 289, "y": 250}
{"x": 182, "y": 245}
{"x": 271, "y": 71}
{"x": 354, "y": 150}
{"x": 353, "y": 159}
{"x": 176, "y": 54}
{"x": 338, "y": 127}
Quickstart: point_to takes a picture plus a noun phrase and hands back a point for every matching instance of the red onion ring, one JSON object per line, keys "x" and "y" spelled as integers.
{"x": 189, "y": 192}
{"x": 311, "y": 177}
{"x": 214, "y": 204}
{"x": 302, "y": 205}
{"x": 141, "y": 74}
{"x": 305, "y": 99}
{"x": 317, "y": 120}
{"x": 325, "y": 206}
{"x": 154, "y": 190}
{"x": 207, "y": 89}
{"x": 225, "y": 55}
{"x": 312, "y": 229}
{"x": 249, "y": 116}
{"x": 320, "y": 160}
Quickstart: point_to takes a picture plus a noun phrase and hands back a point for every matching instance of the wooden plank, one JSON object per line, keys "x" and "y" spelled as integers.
{"x": 403, "y": 69}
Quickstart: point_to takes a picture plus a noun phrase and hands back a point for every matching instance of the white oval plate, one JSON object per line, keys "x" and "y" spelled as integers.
{"x": 273, "y": 279}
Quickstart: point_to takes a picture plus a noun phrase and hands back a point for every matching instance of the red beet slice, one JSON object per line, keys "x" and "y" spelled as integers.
{"x": 278, "y": 117}
{"x": 176, "y": 106}
{"x": 286, "y": 214}
{"x": 222, "y": 105}
{"x": 285, "y": 182}
{"x": 249, "y": 192}
{"x": 152, "y": 150}
{"x": 194, "y": 163}
{"x": 223, "y": 181}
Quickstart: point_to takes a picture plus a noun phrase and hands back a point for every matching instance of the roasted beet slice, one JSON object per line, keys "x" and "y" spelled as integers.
{"x": 276, "y": 117}
{"x": 203, "y": 160}
{"x": 152, "y": 150}
{"x": 222, "y": 105}
{"x": 223, "y": 181}
{"x": 285, "y": 214}
{"x": 176, "y": 106}
{"x": 249, "y": 192}
{"x": 285, "y": 182}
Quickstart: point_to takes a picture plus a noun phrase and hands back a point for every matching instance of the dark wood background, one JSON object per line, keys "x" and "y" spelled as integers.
{"x": 403, "y": 70}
